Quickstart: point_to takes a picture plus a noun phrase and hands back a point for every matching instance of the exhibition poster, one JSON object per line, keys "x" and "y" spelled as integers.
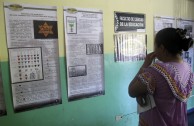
{"x": 130, "y": 47}
{"x": 188, "y": 56}
{"x": 2, "y": 98}
{"x": 32, "y": 41}
{"x": 84, "y": 52}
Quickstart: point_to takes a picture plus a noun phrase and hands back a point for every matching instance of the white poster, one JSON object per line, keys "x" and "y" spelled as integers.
{"x": 2, "y": 99}
{"x": 163, "y": 22}
{"x": 188, "y": 56}
{"x": 84, "y": 52}
{"x": 130, "y": 47}
{"x": 32, "y": 40}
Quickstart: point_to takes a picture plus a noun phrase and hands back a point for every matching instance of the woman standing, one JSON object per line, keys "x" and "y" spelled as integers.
{"x": 169, "y": 80}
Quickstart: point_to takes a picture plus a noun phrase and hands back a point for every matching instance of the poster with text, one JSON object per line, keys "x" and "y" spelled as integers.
{"x": 188, "y": 56}
{"x": 32, "y": 41}
{"x": 130, "y": 47}
{"x": 84, "y": 52}
{"x": 2, "y": 98}
{"x": 125, "y": 22}
{"x": 163, "y": 22}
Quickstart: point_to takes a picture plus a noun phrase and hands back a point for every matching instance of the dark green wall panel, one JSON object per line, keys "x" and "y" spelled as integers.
{"x": 95, "y": 111}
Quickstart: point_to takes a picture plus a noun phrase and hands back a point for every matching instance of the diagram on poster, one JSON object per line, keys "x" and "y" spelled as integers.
{"x": 27, "y": 64}
{"x": 2, "y": 99}
{"x": 130, "y": 47}
{"x": 32, "y": 41}
{"x": 84, "y": 51}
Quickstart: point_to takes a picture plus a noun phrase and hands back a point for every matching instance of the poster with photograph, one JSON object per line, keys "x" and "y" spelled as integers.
{"x": 32, "y": 41}
{"x": 125, "y": 22}
{"x": 2, "y": 98}
{"x": 84, "y": 52}
{"x": 130, "y": 47}
{"x": 188, "y": 56}
{"x": 163, "y": 22}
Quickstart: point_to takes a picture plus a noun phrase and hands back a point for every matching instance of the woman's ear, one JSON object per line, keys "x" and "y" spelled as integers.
{"x": 162, "y": 49}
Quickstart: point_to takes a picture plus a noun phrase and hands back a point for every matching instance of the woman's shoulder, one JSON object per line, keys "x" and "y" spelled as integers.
{"x": 171, "y": 66}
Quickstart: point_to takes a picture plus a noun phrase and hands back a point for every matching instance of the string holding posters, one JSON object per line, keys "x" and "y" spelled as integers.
{"x": 163, "y": 22}
{"x": 125, "y": 22}
{"x": 84, "y": 52}
{"x": 2, "y": 99}
{"x": 187, "y": 56}
{"x": 130, "y": 47}
{"x": 32, "y": 41}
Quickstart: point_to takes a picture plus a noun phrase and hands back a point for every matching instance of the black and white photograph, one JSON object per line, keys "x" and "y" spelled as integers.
{"x": 75, "y": 71}
{"x": 92, "y": 49}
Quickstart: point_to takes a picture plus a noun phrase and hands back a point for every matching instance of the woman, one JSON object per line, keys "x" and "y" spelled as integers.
{"x": 169, "y": 80}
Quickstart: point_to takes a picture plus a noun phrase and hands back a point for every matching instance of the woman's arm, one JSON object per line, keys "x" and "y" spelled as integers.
{"x": 136, "y": 88}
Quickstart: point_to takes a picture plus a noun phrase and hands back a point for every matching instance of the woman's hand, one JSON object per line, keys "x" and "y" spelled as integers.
{"x": 149, "y": 59}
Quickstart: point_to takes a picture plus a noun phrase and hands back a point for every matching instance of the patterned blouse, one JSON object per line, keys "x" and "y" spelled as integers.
{"x": 171, "y": 85}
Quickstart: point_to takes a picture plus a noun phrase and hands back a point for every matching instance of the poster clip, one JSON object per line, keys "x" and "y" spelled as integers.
{"x": 15, "y": 7}
{"x": 72, "y": 10}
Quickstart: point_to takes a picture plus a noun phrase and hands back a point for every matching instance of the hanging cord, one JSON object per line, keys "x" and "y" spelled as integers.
{"x": 128, "y": 114}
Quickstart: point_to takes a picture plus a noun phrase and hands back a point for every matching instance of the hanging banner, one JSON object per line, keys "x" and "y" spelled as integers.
{"x": 32, "y": 41}
{"x": 130, "y": 47}
{"x": 188, "y": 56}
{"x": 124, "y": 22}
{"x": 2, "y": 99}
{"x": 84, "y": 52}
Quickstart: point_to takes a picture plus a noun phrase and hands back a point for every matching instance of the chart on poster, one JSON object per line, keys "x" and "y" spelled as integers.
{"x": 27, "y": 64}
{"x": 2, "y": 98}
{"x": 32, "y": 41}
{"x": 84, "y": 52}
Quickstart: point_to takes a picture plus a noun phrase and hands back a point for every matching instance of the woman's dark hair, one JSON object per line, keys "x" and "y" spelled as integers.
{"x": 174, "y": 40}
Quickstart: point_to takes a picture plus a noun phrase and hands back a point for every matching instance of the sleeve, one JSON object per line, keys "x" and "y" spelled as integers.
{"x": 147, "y": 78}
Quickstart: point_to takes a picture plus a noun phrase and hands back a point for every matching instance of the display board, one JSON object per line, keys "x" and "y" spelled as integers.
{"x": 84, "y": 52}
{"x": 2, "y": 98}
{"x": 188, "y": 56}
{"x": 130, "y": 47}
{"x": 32, "y": 41}
{"x": 163, "y": 22}
{"x": 125, "y": 22}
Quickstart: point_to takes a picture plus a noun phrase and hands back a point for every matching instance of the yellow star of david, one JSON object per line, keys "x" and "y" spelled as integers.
{"x": 45, "y": 29}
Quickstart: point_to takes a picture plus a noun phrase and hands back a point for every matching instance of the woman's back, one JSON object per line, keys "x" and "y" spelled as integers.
{"x": 172, "y": 87}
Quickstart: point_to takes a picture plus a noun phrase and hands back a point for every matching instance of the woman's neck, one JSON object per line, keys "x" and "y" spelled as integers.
{"x": 170, "y": 58}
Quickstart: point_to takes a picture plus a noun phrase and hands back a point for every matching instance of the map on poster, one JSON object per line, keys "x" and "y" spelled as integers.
{"x": 32, "y": 41}
{"x": 84, "y": 52}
